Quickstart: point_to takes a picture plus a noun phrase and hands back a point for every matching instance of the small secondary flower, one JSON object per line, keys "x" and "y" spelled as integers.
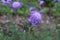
{"x": 41, "y": 2}
{"x": 6, "y": 2}
{"x": 16, "y": 5}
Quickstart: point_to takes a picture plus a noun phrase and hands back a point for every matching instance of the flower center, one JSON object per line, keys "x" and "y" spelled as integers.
{"x": 16, "y": 5}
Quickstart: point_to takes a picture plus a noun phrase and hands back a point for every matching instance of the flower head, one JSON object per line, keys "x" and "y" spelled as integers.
{"x": 56, "y": 0}
{"x": 41, "y": 2}
{"x": 24, "y": 30}
{"x": 35, "y": 18}
{"x": 16, "y": 5}
{"x": 6, "y": 2}
{"x": 31, "y": 8}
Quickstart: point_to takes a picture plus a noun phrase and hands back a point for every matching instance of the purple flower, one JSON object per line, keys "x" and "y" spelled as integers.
{"x": 16, "y": 5}
{"x": 31, "y": 8}
{"x": 6, "y": 2}
{"x": 24, "y": 30}
{"x": 35, "y": 18}
{"x": 56, "y": 0}
{"x": 41, "y": 2}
